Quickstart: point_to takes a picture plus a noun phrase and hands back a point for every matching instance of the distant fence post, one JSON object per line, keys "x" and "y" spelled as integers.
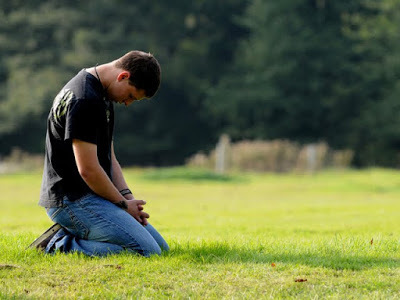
{"x": 222, "y": 154}
{"x": 311, "y": 151}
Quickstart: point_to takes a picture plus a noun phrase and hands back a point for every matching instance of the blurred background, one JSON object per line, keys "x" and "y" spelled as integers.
{"x": 287, "y": 80}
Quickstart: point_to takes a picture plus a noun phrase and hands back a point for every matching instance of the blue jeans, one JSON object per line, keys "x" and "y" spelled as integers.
{"x": 96, "y": 227}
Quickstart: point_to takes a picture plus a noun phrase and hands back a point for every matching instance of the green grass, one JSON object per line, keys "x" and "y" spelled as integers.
{"x": 240, "y": 236}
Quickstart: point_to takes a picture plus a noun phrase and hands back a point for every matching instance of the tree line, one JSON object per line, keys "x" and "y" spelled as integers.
{"x": 308, "y": 71}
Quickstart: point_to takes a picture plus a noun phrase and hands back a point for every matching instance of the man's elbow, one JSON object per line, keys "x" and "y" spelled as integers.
{"x": 87, "y": 173}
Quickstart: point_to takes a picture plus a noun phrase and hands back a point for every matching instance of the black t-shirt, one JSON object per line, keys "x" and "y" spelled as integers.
{"x": 80, "y": 111}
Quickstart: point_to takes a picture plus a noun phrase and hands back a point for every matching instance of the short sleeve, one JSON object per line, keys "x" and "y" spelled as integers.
{"x": 82, "y": 120}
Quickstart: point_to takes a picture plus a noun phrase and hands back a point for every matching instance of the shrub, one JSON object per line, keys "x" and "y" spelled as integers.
{"x": 274, "y": 156}
{"x": 19, "y": 160}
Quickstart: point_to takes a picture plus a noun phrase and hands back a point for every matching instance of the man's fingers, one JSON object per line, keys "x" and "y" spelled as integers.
{"x": 140, "y": 202}
{"x": 144, "y": 215}
{"x": 137, "y": 211}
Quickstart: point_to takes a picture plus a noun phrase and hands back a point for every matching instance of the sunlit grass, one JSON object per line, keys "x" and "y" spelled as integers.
{"x": 237, "y": 236}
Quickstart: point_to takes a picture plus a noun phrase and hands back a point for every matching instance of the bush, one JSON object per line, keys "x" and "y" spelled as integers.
{"x": 19, "y": 160}
{"x": 273, "y": 156}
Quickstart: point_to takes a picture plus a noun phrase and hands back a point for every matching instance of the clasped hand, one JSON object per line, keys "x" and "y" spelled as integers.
{"x": 135, "y": 209}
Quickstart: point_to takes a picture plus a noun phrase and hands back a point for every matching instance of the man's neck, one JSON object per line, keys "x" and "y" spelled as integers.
{"x": 106, "y": 73}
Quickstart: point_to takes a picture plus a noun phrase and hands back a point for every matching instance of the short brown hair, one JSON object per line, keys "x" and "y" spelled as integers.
{"x": 144, "y": 69}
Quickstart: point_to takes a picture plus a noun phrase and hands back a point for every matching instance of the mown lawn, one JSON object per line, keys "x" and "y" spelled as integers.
{"x": 334, "y": 235}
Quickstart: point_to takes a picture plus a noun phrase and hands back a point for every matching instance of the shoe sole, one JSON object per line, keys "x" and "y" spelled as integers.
{"x": 42, "y": 241}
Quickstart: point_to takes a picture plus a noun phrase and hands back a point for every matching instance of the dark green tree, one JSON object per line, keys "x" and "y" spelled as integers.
{"x": 45, "y": 42}
{"x": 292, "y": 74}
{"x": 375, "y": 134}
{"x": 33, "y": 37}
{"x": 310, "y": 71}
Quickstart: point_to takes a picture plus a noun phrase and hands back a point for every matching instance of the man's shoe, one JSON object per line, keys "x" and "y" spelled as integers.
{"x": 41, "y": 242}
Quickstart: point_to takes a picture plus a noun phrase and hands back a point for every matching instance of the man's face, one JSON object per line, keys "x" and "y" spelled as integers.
{"x": 123, "y": 92}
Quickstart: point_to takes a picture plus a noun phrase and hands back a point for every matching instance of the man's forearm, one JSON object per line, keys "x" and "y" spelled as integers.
{"x": 100, "y": 183}
{"x": 92, "y": 173}
{"x": 117, "y": 175}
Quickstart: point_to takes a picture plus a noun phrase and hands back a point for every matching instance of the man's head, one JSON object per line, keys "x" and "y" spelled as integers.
{"x": 144, "y": 71}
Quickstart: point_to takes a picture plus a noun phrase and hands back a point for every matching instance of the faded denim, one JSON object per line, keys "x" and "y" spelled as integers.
{"x": 96, "y": 227}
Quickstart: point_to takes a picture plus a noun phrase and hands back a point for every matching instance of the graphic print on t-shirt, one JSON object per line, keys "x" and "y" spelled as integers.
{"x": 60, "y": 104}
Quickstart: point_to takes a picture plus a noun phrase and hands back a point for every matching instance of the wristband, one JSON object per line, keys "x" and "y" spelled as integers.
{"x": 125, "y": 192}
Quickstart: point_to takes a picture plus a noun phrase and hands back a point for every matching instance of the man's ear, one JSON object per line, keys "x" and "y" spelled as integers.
{"x": 123, "y": 75}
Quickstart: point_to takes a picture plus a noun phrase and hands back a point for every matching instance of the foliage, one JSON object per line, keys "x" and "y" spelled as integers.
{"x": 376, "y": 133}
{"x": 316, "y": 70}
{"x": 275, "y": 156}
{"x": 307, "y": 71}
{"x": 248, "y": 239}
{"x": 43, "y": 44}
{"x": 20, "y": 161}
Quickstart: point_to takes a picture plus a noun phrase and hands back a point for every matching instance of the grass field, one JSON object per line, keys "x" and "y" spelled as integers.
{"x": 332, "y": 235}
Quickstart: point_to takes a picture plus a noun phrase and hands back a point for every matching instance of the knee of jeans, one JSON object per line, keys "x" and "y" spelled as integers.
{"x": 152, "y": 250}
{"x": 146, "y": 249}
{"x": 164, "y": 246}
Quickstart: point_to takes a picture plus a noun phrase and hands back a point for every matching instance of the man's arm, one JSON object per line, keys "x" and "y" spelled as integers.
{"x": 119, "y": 182}
{"x": 96, "y": 178}
{"x": 117, "y": 176}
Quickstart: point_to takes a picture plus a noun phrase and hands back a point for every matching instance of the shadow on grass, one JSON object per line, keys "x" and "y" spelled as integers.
{"x": 189, "y": 174}
{"x": 223, "y": 253}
